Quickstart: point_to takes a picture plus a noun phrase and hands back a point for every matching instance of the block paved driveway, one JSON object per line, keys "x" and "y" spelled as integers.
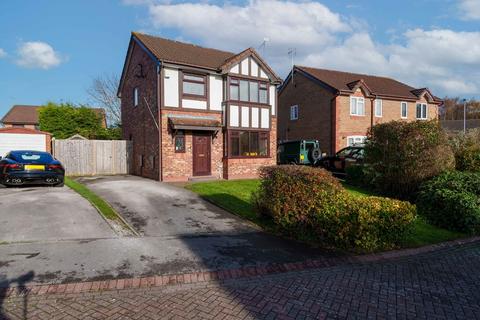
{"x": 443, "y": 284}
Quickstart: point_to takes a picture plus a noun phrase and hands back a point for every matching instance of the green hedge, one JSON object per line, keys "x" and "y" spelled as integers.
{"x": 400, "y": 155}
{"x": 452, "y": 201}
{"x": 466, "y": 147}
{"x": 308, "y": 203}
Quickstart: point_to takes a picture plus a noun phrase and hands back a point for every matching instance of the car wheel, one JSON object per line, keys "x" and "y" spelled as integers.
{"x": 59, "y": 185}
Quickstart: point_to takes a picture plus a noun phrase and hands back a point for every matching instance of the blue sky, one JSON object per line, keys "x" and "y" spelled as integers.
{"x": 51, "y": 50}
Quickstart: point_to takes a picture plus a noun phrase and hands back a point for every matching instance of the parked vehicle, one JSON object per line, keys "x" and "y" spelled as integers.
{"x": 305, "y": 152}
{"x": 31, "y": 167}
{"x": 343, "y": 159}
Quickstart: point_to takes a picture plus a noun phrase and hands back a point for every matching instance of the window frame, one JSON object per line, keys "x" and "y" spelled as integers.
{"x": 236, "y": 134}
{"x": 381, "y": 108}
{"x": 136, "y": 97}
{"x": 355, "y": 137}
{"x": 179, "y": 136}
{"x": 204, "y": 82}
{"x": 261, "y": 85}
{"x": 402, "y": 103}
{"x": 356, "y": 106}
{"x": 422, "y": 105}
{"x": 292, "y": 108}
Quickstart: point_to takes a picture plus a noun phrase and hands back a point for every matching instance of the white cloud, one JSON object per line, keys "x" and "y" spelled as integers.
{"x": 444, "y": 60}
{"x": 38, "y": 54}
{"x": 2, "y": 53}
{"x": 470, "y": 9}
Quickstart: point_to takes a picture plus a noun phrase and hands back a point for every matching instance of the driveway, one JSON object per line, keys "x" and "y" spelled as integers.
{"x": 45, "y": 213}
{"x": 179, "y": 231}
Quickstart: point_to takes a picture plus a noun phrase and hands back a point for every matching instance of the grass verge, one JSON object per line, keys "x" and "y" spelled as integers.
{"x": 235, "y": 196}
{"x": 102, "y": 206}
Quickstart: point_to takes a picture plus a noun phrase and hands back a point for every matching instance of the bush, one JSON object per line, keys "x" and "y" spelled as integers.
{"x": 452, "y": 201}
{"x": 401, "y": 155}
{"x": 308, "y": 203}
{"x": 355, "y": 176}
{"x": 466, "y": 147}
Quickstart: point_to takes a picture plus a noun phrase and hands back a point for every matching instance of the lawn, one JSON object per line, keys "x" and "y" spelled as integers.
{"x": 235, "y": 196}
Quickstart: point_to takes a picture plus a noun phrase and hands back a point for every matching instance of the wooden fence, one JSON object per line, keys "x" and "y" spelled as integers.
{"x": 93, "y": 157}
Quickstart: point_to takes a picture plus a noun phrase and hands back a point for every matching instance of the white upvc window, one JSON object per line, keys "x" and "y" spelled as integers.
{"x": 404, "y": 110}
{"x": 357, "y": 106}
{"x": 422, "y": 111}
{"x": 378, "y": 108}
{"x": 135, "y": 97}
{"x": 355, "y": 140}
{"x": 294, "y": 112}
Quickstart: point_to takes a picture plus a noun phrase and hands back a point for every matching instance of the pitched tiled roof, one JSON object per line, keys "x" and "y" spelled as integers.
{"x": 342, "y": 81}
{"x": 22, "y": 130}
{"x": 23, "y": 114}
{"x": 184, "y": 53}
{"x": 194, "y": 122}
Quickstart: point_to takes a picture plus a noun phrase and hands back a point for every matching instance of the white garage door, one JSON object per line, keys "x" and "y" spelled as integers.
{"x": 20, "y": 141}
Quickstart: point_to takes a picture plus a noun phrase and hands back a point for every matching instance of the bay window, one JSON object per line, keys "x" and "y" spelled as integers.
{"x": 248, "y": 143}
{"x": 194, "y": 85}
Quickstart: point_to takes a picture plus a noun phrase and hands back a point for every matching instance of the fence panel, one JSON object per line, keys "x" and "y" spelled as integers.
{"x": 93, "y": 157}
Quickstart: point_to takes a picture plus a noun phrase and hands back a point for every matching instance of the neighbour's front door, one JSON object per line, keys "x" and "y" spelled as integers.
{"x": 201, "y": 155}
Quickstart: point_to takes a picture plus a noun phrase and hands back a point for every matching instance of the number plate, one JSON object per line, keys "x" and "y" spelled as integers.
{"x": 34, "y": 167}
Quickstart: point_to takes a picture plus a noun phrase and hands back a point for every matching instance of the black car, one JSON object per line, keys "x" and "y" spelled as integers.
{"x": 31, "y": 167}
{"x": 342, "y": 159}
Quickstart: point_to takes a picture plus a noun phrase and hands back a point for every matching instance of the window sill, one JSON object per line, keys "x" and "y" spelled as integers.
{"x": 357, "y": 115}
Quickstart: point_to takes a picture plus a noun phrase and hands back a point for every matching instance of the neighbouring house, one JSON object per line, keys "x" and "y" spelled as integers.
{"x": 337, "y": 108}
{"x": 23, "y": 116}
{"x": 12, "y": 138}
{"x": 192, "y": 111}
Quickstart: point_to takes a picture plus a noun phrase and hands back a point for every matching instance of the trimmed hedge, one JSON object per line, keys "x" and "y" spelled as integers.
{"x": 309, "y": 203}
{"x": 452, "y": 201}
{"x": 399, "y": 156}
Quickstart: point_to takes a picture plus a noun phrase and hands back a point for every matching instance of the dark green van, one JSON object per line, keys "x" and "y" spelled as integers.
{"x": 305, "y": 152}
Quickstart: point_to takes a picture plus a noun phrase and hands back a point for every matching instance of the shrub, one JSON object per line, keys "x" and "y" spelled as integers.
{"x": 308, "y": 203}
{"x": 401, "y": 155}
{"x": 355, "y": 175}
{"x": 452, "y": 201}
{"x": 466, "y": 147}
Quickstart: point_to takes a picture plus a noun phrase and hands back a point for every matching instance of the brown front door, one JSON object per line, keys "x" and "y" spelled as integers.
{"x": 201, "y": 155}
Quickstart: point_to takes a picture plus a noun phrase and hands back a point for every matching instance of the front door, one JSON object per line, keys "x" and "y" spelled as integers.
{"x": 201, "y": 155}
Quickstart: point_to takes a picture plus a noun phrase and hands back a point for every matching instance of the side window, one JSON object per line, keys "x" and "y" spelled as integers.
{"x": 180, "y": 143}
{"x": 135, "y": 97}
{"x": 378, "y": 108}
{"x": 404, "y": 110}
{"x": 294, "y": 112}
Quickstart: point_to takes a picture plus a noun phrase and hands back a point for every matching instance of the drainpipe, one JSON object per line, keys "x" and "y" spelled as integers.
{"x": 160, "y": 73}
{"x": 333, "y": 131}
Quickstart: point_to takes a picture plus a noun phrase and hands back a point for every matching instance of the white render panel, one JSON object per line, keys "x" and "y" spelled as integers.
{"x": 255, "y": 118}
{"x": 216, "y": 92}
{"x": 170, "y": 86}
{"x": 235, "y": 69}
{"x": 273, "y": 91}
{"x": 22, "y": 141}
{"x": 245, "y": 117}
{"x": 234, "y": 118}
{"x": 263, "y": 74}
{"x": 194, "y": 104}
{"x": 254, "y": 67}
{"x": 245, "y": 66}
{"x": 265, "y": 118}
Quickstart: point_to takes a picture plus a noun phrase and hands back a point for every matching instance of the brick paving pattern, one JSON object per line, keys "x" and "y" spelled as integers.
{"x": 443, "y": 284}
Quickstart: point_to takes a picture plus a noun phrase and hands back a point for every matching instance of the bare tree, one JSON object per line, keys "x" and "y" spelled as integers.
{"x": 103, "y": 92}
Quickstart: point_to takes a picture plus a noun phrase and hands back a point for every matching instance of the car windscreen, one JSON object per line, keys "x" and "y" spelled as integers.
{"x": 31, "y": 157}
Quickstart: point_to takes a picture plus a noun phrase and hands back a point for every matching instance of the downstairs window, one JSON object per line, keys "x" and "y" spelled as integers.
{"x": 248, "y": 144}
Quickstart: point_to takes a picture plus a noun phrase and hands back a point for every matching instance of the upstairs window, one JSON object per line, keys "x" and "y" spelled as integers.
{"x": 357, "y": 106}
{"x": 248, "y": 91}
{"x": 404, "y": 110}
{"x": 194, "y": 85}
{"x": 294, "y": 112}
{"x": 378, "y": 108}
{"x": 421, "y": 111}
{"x": 135, "y": 97}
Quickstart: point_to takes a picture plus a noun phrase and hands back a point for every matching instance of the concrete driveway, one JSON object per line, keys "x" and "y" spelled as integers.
{"x": 45, "y": 213}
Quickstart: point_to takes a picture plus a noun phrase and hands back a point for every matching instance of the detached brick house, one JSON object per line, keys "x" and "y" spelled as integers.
{"x": 192, "y": 111}
{"x": 337, "y": 108}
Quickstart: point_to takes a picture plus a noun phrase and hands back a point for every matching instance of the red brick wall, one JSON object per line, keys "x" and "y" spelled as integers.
{"x": 314, "y": 112}
{"x": 179, "y": 166}
{"x": 137, "y": 122}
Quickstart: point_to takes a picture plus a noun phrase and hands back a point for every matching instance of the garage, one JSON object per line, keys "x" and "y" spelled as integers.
{"x": 23, "y": 139}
